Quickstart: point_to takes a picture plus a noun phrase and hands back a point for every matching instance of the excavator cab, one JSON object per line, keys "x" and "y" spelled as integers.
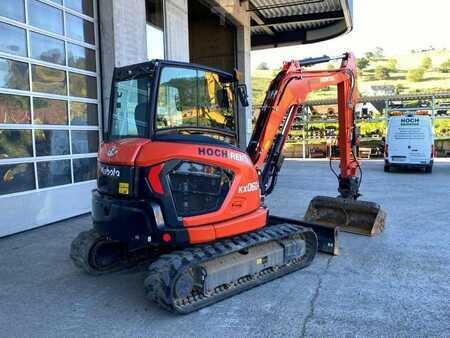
{"x": 163, "y": 97}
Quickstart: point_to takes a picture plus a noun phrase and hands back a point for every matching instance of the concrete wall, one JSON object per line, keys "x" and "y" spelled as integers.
{"x": 218, "y": 52}
{"x": 176, "y": 30}
{"x": 236, "y": 12}
{"x": 244, "y": 66}
{"x": 123, "y": 39}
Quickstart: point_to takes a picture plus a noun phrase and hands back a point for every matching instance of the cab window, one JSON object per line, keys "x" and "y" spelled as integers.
{"x": 130, "y": 116}
{"x": 194, "y": 98}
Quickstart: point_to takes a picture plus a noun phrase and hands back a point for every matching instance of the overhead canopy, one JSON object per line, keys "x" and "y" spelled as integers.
{"x": 276, "y": 23}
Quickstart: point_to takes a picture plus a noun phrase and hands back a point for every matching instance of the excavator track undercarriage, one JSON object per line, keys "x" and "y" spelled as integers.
{"x": 97, "y": 255}
{"x": 187, "y": 280}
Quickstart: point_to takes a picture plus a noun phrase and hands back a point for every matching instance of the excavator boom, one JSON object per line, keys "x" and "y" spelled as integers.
{"x": 286, "y": 95}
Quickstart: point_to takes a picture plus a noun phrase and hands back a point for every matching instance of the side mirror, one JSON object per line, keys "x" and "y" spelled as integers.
{"x": 243, "y": 95}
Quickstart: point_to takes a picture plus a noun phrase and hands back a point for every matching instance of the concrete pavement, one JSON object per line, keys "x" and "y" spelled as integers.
{"x": 396, "y": 284}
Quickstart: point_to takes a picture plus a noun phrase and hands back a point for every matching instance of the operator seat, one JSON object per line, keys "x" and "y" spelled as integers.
{"x": 141, "y": 117}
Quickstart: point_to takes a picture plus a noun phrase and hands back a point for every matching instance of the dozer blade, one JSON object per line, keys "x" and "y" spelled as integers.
{"x": 327, "y": 236}
{"x": 358, "y": 217}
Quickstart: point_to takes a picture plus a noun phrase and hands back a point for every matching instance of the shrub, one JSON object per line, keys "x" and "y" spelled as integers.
{"x": 415, "y": 75}
{"x": 426, "y": 62}
{"x": 392, "y": 65}
{"x": 381, "y": 73}
{"x": 362, "y": 63}
{"x": 445, "y": 67}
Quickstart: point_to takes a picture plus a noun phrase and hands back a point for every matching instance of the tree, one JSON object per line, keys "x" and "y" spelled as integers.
{"x": 392, "y": 65}
{"x": 415, "y": 75}
{"x": 369, "y": 55}
{"x": 381, "y": 73}
{"x": 426, "y": 62}
{"x": 445, "y": 67}
{"x": 362, "y": 63}
{"x": 379, "y": 52}
{"x": 262, "y": 66}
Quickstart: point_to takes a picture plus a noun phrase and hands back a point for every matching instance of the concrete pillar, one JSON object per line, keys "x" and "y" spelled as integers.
{"x": 123, "y": 39}
{"x": 243, "y": 61}
{"x": 176, "y": 30}
{"x": 236, "y": 12}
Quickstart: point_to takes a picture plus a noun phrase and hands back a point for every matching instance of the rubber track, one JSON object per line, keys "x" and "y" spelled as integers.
{"x": 163, "y": 273}
{"x": 81, "y": 250}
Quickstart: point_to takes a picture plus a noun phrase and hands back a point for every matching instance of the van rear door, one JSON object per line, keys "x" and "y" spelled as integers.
{"x": 410, "y": 139}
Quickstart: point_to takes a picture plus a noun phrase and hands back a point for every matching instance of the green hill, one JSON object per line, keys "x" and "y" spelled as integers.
{"x": 379, "y": 71}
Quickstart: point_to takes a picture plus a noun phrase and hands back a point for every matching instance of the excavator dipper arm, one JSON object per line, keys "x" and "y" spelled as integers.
{"x": 286, "y": 95}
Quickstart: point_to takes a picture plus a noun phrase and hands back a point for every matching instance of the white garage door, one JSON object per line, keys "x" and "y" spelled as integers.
{"x": 49, "y": 110}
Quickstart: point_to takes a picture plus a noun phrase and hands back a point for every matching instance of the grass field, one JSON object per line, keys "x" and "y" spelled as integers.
{"x": 433, "y": 80}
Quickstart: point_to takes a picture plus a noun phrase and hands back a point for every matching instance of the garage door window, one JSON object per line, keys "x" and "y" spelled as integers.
{"x": 49, "y": 89}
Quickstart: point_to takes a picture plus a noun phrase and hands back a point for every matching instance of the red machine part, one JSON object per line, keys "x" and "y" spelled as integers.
{"x": 241, "y": 210}
{"x": 289, "y": 90}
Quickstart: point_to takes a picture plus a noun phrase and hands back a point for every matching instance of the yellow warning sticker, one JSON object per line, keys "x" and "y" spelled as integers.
{"x": 261, "y": 260}
{"x": 123, "y": 188}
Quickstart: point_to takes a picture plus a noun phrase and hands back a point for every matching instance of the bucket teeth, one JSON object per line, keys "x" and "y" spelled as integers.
{"x": 359, "y": 217}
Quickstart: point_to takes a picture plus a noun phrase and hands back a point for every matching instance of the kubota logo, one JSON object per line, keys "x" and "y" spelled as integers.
{"x": 111, "y": 151}
{"x": 113, "y": 172}
{"x": 249, "y": 187}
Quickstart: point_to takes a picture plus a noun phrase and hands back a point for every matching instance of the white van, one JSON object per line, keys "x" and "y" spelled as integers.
{"x": 409, "y": 142}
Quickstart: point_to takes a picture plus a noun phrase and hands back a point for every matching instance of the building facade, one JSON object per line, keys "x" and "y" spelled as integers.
{"x": 56, "y": 64}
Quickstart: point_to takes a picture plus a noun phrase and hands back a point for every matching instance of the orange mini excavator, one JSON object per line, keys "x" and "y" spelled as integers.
{"x": 174, "y": 190}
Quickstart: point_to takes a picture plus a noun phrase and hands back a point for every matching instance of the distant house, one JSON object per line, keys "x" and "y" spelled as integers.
{"x": 381, "y": 90}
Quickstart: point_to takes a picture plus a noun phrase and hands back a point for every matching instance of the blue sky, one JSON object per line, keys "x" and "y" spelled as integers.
{"x": 395, "y": 25}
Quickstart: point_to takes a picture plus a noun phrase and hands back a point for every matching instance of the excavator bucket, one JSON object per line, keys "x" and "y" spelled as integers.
{"x": 358, "y": 217}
